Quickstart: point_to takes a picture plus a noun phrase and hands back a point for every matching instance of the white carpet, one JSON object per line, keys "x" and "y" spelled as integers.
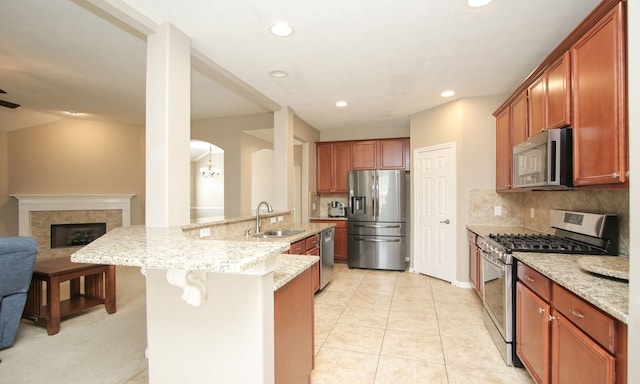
{"x": 94, "y": 347}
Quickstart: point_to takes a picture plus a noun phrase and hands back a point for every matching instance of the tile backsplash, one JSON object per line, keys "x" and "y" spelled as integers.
{"x": 533, "y": 209}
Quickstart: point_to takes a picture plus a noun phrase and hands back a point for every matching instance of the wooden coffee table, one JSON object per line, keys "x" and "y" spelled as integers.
{"x": 99, "y": 288}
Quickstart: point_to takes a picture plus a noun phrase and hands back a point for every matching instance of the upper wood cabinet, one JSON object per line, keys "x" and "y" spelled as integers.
{"x": 380, "y": 154}
{"x": 599, "y": 103}
{"x": 504, "y": 151}
{"x": 332, "y": 166}
{"x": 549, "y": 98}
{"x": 519, "y": 126}
{"x": 557, "y": 93}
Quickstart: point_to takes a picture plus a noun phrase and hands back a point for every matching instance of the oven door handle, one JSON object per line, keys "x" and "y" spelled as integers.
{"x": 500, "y": 266}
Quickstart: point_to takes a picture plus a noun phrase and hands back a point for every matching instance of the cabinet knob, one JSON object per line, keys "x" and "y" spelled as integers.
{"x": 551, "y": 318}
{"x": 541, "y": 310}
{"x": 615, "y": 175}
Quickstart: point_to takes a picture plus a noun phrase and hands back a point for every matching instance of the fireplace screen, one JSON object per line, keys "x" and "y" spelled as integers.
{"x": 73, "y": 235}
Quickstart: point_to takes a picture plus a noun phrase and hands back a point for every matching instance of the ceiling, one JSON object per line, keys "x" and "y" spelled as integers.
{"x": 387, "y": 58}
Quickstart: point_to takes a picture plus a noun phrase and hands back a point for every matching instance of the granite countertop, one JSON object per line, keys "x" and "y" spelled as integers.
{"x": 168, "y": 248}
{"x": 341, "y": 218}
{"x": 608, "y": 294}
{"x": 290, "y": 266}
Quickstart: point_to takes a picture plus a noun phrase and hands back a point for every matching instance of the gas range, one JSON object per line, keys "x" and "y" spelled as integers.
{"x": 575, "y": 233}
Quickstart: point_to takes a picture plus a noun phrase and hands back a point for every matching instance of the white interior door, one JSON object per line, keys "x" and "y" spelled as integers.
{"x": 435, "y": 195}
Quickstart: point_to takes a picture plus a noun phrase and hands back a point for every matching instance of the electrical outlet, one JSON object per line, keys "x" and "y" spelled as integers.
{"x": 497, "y": 210}
{"x": 533, "y": 213}
{"x": 280, "y": 218}
{"x": 205, "y": 232}
{"x": 273, "y": 220}
{"x": 313, "y": 206}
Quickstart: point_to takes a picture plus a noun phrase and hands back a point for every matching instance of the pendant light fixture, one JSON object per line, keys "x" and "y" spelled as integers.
{"x": 210, "y": 170}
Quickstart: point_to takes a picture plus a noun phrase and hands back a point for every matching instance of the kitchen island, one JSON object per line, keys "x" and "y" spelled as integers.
{"x": 210, "y": 303}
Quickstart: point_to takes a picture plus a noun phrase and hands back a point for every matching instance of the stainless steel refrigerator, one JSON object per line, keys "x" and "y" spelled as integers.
{"x": 377, "y": 219}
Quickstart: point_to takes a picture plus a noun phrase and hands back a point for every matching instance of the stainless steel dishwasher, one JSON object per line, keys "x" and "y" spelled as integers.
{"x": 326, "y": 256}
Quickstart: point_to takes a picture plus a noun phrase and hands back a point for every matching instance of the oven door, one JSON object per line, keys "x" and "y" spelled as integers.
{"x": 497, "y": 295}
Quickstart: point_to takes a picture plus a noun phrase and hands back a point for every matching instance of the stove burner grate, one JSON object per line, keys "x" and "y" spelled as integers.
{"x": 542, "y": 243}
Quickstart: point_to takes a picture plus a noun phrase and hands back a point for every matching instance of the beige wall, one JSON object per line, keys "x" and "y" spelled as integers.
{"x": 366, "y": 133}
{"x": 72, "y": 157}
{"x": 468, "y": 123}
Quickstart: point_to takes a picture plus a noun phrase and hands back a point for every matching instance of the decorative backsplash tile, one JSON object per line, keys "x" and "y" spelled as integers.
{"x": 517, "y": 208}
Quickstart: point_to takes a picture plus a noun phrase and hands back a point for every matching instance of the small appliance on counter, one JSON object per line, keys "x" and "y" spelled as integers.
{"x": 336, "y": 209}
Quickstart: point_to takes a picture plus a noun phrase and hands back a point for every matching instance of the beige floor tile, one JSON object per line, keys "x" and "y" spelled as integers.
{"x": 412, "y": 345}
{"x": 413, "y": 322}
{"x": 463, "y": 375}
{"x": 473, "y": 353}
{"x": 355, "y": 338}
{"x": 359, "y": 315}
{"x": 393, "y": 370}
{"x": 335, "y": 366}
{"x": 334, "y": 297}
{"x": 416, "y": 304}
{"x": 372, "y": 300}
{"x": 465, "y": 326}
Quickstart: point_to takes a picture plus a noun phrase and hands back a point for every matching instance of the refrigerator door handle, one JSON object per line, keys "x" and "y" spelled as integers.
{"x": 376, "y": 226}
{"x": 376, "y": 240}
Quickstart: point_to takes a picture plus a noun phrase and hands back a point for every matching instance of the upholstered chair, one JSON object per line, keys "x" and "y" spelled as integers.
{"x": 17, "y": 257}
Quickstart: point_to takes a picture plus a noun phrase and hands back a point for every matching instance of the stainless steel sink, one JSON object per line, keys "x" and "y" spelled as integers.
{"x": 275, "y": 233}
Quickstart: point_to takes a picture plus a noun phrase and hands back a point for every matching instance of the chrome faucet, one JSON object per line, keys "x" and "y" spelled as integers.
{"x": 258, "y": 223}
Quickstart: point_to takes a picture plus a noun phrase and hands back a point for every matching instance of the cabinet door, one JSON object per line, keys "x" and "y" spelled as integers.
{"x": 394, "y": 154}
{"x": 532, "y": 333}
{"x": 474, "y": 268}
{"x": 599, "y": 103}
{"x": 557, "y": 95}
{"x": 575, "y": 358}
{"x": 504, "y": 151}
{"x": 341, "y": 167}
{"x": 364, "y": 155}
{"x": 324, "y": 167}
{"x": 536, "y": 110}
{"x": 519, "y": 125}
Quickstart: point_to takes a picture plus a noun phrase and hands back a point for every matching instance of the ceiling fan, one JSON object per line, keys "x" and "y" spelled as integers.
{"x": 8, "y": 104}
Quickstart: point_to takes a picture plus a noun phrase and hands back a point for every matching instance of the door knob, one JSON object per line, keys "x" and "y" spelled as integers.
{"x": 445, "y": 221}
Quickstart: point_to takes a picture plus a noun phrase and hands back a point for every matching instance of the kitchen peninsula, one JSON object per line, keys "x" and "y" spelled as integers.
{"x": 210, "y": 303}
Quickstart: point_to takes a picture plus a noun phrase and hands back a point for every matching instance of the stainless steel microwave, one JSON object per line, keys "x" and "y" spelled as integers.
{"x": 544, "y": 161}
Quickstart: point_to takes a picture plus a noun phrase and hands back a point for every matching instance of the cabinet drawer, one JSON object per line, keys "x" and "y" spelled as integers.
{"x": 585, "y": 316}
{"x": 537, "y": 282}
{"x": 298, "y": 248}
{"x": 312, "y": 241}
{"x": 313, "y": 251}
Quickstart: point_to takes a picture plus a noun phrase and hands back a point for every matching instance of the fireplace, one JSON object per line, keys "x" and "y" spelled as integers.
{"x": 70, "y": 215}
{"x": 75, "y": 235}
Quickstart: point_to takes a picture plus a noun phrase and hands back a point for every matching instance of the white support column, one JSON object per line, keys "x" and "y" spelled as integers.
{"x": 168, "y": 127}
{"x": 283, "y": 159}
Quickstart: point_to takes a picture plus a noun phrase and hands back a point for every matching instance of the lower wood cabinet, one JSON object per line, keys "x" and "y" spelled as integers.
{"x": 340, "y": 239}
{"x": 474, "y": 263}
{"x": 294, "y": 330}
{"x": 560, "y": 338}
{"x": 309, "y": 246}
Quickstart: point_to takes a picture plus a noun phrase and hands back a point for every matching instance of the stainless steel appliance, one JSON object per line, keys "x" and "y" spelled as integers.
{"x": 544, "y": 161}
{"x": 326, "y": 256}
{"x": 575, "y": 233}
{"x": 376, "y": 219}
{"x": 336, "y": 209}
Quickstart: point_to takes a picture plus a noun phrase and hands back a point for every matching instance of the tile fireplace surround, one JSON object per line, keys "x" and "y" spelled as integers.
{"x": 36, "y": 213}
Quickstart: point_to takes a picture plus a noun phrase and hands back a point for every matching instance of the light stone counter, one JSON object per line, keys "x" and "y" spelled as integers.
{"x": 290, "y": 266}
{"x": 168, "y": 248}
{"x": 610, "y": 295}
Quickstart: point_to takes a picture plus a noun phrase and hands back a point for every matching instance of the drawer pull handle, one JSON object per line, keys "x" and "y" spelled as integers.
{"x": 541, "y": 310}
{"x": 528, "y": 278}
{"x": 576, "y": 313}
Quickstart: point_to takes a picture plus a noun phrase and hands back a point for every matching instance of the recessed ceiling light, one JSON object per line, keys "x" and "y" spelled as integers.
{"x": 74, "y": 113}
{"x": 447, "y": 93}
{"x": 278, "y": 73}
{"x": 281, "y": 29}
{"x": 478, "y": 3}
{"x": 341, "y": 104}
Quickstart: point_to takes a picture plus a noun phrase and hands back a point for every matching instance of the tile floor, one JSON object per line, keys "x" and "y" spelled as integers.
{"x": 380, "y": 327}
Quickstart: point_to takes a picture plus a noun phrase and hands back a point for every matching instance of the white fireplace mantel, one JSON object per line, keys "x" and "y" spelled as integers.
{"x": 29, "y": 203}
